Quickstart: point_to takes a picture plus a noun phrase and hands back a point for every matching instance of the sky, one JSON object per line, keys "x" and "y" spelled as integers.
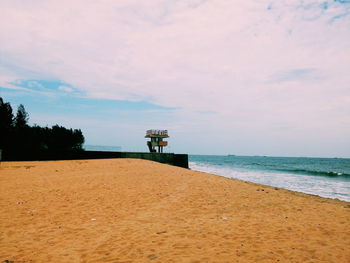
{"x": 223, "y": 77}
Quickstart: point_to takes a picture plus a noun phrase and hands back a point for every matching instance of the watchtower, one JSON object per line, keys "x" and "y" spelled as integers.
{"x": 156, "y": 137}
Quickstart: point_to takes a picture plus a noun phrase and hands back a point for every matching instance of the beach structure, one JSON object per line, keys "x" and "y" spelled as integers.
{"x": 156, "y": 140}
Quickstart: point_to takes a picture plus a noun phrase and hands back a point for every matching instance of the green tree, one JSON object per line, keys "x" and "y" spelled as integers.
{"x": 18, "y": 138}
{"x": 78, "y": 140}
{"x": 6, "y": 124}
{"x": 21, "y": 119}
{"x": 61, "y": 138}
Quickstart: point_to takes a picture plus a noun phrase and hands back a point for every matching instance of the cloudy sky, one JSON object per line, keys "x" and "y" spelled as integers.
{"x": 224, "y": 77}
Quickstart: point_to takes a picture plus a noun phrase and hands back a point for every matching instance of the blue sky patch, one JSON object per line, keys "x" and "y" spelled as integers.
{"x": 295, "y": 75}
{"x": 45, "y": 86}
{"x": 343, "y": 1}
{"x": 325, "y": 5}
{"x": 60, "y": 98}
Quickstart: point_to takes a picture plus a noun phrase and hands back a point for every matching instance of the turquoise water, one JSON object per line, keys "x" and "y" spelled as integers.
{"x": 88, "y": 147}
{"x": 326, "y": 177}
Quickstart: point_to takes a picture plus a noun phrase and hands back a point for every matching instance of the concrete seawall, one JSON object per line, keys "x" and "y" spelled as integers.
{"x": 180, "y": 160}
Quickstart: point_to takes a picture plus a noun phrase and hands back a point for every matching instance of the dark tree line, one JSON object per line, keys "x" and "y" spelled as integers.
{"x": 17, "y": 135}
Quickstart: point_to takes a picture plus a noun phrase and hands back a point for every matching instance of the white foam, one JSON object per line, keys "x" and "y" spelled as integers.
{"x": 309, "y": 184}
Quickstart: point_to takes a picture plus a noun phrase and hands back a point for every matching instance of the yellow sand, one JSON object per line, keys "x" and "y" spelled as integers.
{"x": 127, "y": 210}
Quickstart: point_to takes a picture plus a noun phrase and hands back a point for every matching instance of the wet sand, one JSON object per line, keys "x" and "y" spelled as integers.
{"x": 127, "y": 210}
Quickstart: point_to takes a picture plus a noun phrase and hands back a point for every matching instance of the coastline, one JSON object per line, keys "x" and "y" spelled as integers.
{"x": 129, "y": 210}
{"x": 325, "y": 177}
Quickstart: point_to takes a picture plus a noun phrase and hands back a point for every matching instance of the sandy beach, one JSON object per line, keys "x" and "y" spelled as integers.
{"x": 128, "y": 210}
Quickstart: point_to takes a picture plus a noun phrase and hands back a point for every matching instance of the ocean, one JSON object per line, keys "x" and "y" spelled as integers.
{"x": 88, "y": 147}
{"x": 326, "y": 177}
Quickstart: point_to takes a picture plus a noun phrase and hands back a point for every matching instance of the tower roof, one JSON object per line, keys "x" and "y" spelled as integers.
{"x": 157, "y": 133}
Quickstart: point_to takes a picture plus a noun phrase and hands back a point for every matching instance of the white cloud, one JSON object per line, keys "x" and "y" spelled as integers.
{"x": 215, "y": 55}
{"x": 65, "y": 89}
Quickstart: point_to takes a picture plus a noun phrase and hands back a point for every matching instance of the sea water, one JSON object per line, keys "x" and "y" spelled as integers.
{"x": 326, "y": 177}
{"x": 102, "y": 148}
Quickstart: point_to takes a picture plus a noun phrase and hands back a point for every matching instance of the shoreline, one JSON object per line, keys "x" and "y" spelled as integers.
{"x": 274, "y": 187}
{"x": 129, "y": 210}
{"x": 332, "y": 187}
